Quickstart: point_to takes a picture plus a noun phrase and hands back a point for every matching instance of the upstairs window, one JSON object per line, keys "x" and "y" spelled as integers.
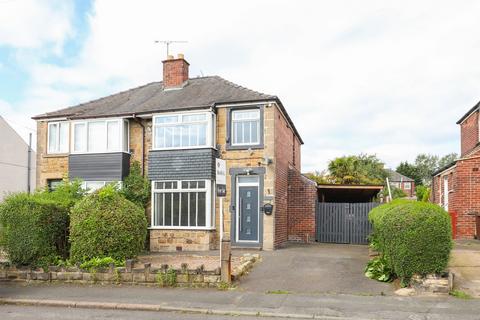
{"x": 99, "y": 136}
{"x": 245, "y": 127}
{"x": 176, "y": 131}
{"x": 58, "y": 137}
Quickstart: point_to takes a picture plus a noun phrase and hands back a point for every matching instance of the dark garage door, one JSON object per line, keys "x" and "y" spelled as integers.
{"x": 343, "y": 222}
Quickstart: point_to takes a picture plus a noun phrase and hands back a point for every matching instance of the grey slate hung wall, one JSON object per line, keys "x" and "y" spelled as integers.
{"x": 181, "y": 164}
{"x": 99, "y": 166}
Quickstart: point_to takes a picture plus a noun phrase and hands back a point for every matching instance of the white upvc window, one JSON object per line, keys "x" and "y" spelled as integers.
{"x": 58, "y": 133}
{"x": 100, "y": 136}
{"x": 407, "y": 185}
{"x": 183, "y": 130}
{"x": 92, "y": 186}
{"x": 183, "y": 204}
{"x": 245, "y": 127}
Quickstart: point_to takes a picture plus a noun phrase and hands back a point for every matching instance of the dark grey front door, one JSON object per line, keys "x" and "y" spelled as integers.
{"x": 248, "y": 213}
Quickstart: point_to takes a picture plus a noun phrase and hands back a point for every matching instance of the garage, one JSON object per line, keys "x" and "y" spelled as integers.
{"x": 342, "y": 212}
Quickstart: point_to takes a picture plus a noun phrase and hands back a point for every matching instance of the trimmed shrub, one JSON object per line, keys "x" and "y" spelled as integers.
{"x": 423, "y": 193}
{"x": 105, "y": 224}
{"x": 413, "y": 237}
{"x": 136, "y": 187}
{"x": 34, "y": 229}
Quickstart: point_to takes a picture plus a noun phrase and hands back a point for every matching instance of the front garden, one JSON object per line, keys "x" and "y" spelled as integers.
{"x": 413, "y": 240}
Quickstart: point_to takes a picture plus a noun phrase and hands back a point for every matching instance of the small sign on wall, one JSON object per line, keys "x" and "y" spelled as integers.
{"x": 221, "y": 177}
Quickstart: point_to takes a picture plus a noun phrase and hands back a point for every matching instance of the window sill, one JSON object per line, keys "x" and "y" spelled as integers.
{"x": 56, "y": 155}
{"x": 183, "y": 228}
{"x": 183, "y": 148}
{"x": 246, "y": 147}
{"x": 103, "y": 152}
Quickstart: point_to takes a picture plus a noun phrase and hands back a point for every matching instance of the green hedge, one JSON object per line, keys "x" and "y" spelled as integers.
{"x": 105, "y": 224}
{"x": 413, "y": 237}
{"x": 34, "y": 229}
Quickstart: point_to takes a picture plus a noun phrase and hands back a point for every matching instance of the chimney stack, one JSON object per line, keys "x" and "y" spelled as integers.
{"x": 175, "y": 71}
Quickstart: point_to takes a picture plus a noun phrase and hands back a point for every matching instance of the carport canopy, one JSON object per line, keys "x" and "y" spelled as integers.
{"x": 343, "y": 193}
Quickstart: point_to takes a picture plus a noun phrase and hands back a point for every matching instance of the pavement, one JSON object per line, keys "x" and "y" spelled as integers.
{"x": 315, "y": 268}
{"x": 465, "y": 264}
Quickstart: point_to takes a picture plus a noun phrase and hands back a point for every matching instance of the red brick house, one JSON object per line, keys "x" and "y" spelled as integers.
{"x": 402, "y": 182}
{"x": 456, "y": 187}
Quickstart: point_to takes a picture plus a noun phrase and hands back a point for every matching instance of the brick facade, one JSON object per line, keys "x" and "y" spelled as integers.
{"x": 463, "y": 194}
{"x": 302, "y": 197}
{"x": 175, "y": 71}
{"x": 469, "y": 133}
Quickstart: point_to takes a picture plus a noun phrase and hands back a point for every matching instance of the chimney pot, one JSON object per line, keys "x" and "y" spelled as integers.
{"x": 170, "y": 57}
{"x": 181, "y": 56}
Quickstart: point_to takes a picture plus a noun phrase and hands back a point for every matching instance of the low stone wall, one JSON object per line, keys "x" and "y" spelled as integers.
{"x": 145, "y": 275}
{"x": 433, "y": 284}
{"x": 181, "y": 240}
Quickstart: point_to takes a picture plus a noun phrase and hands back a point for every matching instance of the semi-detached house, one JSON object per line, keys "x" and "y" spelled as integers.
{"x": 176, "y": 129}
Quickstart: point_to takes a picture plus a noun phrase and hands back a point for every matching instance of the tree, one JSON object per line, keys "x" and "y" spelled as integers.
{"x": 447, "y": 159}
{"x": 409, "y": 170}
{"x": 426, "y": 165}
{"x": 361, "y": 169}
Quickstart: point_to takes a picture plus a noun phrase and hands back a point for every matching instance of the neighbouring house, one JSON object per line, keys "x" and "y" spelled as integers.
{"x": 176, "y": 129}
{"x": 17, "y": 173}
{"x": 456, "y": 187}
{"x": 402, "y": 182}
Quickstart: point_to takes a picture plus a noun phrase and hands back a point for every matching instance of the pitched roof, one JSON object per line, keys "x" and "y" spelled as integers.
{"x": 394, "y": 176}
{"x": 448, "y": 166}
{"x": 201, "y": 92}
{"x": 469, "y": 112}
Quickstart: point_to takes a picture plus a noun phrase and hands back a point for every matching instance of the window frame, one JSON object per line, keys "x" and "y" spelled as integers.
{"x": 84, "y": 184}
{"x": 57, "y": 138}
{"x": 124, "y": 124}
{"x": 232, "y": 127}
{"x": 209, "y": 204}
{"x": 210, "y": 133}
{"x": 407, "y": 183}
{"x": 229, "y": 127}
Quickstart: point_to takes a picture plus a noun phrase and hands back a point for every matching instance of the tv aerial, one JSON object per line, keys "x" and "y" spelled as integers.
{"x": 167, "y": 43}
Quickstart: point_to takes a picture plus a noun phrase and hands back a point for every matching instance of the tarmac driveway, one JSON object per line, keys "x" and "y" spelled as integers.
{"x": 314, "y": 268}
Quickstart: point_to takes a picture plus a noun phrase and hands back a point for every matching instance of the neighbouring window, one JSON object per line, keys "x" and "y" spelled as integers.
{"x": 52, "y": 184}
{"x": 407, "y": 185}
{"x": 182, "y": 204}
{"x": 97, "y": 136}
{"x": 182, "y": 130}
{"x": 58, "y": 137}
{"x": 92, "y": 186}
{"x": 395, "y": 184}
{"x": 245, "y": 127}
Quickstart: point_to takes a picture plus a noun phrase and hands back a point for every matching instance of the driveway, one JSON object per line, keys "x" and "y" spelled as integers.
{"x": 314, "y": 268}
{"x": 465, "y": 264}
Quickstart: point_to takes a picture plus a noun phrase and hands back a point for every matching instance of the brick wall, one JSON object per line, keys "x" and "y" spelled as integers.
{"x": 287, "y": 153}
{"x": 175, "y": 71}
{"x": 464, "y": 194}
{"x": 302, "y": 196}
{"x": 469, "y": 133}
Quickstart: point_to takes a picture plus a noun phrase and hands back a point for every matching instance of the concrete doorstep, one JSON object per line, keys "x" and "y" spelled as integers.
{"x": 163, "y": 308}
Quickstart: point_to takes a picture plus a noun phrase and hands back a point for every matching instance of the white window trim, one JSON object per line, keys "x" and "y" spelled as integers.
{"x": 57, "y": 137}
{"x": 210, "y": 133}
{"x": 209, "y": 204}
{"x": 124, "y": 125}
{"x": 409, "y": 184}
{"x": 84, "y": 184}
{"x": 237, "y": 213}
{"x": 232, "y": 134}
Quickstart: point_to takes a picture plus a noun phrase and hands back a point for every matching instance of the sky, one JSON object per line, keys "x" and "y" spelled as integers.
{"x": 389, "y": 78}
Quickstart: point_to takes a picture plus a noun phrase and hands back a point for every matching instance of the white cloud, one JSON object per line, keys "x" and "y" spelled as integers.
{"x": 373, "y": 76}
{"x": 32, "y": 24}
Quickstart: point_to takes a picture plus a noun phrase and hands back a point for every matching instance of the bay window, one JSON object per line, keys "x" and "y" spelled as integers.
{"x": 99, "y": 136}
{"x": 58, "y": 133}
{"x": 182, "y": 204}
{"x": 245, "y": 127}
{"x": 188, "y": 130}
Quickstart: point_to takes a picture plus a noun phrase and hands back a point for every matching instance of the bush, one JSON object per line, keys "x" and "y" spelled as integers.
{"x": 136, "y": 188}
{"x": 100, "y": 263}
{"x": 34, "y": 229}
{"x": 378, "y": 269}
{"x": 67, "y": 193}
{"x": 105, "y": 224}
{"x": 413, "y": 237}
{"x": 423, "y": 193}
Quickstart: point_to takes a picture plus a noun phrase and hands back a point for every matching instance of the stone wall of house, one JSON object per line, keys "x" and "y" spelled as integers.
{"x": 182, "y": 240}
{"x": 302, "y": 198}
{"x": 469, "y": 133}
{"x": 49, "y": 166}
{"x": 249, "y": 158}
